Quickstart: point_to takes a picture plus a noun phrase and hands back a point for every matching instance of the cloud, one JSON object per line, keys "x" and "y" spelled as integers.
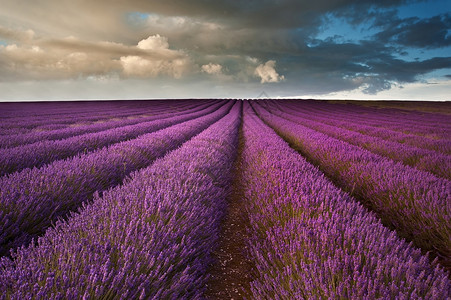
{"x": 415, "y": 32}
{"x": 155, "y": 42}
{"x": 16, "y": 35}
{"x": 213, "y": 69}
{"x": 182, "y": 41}
{"x": 267, "y": 72}
{"x": 410, "y": 91}
{"x": 35, "y": 62}
{"x": 136, "y": 66}
{"x": 175, "y": 63}
{"x": 73, "y": 58}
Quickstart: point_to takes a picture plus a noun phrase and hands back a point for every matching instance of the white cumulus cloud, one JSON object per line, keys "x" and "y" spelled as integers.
{"x": 71, "y": 57}
{"x": 136, "y": 66}
{"x": 161, "y": 59}
{"x": 154, "y": 42}
{"x": 213, "y": 69}
{"x": 268, "y": 73}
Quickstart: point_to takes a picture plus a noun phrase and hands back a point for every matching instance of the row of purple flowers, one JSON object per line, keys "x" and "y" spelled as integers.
{"x": 150, "y": 238}
{"x": 32, "y": 199}
{"x": 310, "y": 240}
{"x": 415, "y": 203}
{"x": 47, "y": 151}
{"x": 120, "y": 119}
{"x": 422, "y": 159}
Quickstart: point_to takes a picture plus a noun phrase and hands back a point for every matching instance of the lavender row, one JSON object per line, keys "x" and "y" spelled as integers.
{"x": 58, "y": 120}
{"x": 422, "y": 159}
{"x": 32, "y": 137}
{"x": 13, "y": 110}
{"x": 54, "y": 121}
{"x": 52, "y": 111}
{"x": 44, "y": 152}
{"x": 22, "y": 109}
{"x": 344, "y": 120}
{"x": 30, "y": 200}
{"x": 415, "y": 203}
{"x": 32, "y": 125}
{"x": 410, "y": 117}
{"x": 310, "y": 240}
{"x": 44, "y": 123}
{"x": 148, "y": 239}
{"x": 372, "y": 117}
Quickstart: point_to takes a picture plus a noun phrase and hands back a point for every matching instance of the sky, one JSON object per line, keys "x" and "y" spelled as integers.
{"x": 136, "y": 49}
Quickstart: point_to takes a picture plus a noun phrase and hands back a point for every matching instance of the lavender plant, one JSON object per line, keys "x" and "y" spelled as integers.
{"x": 44, "y": 152}
{"x": 150, "y": 238}
{"x": 415, "y": 203}
{"x": 430, "y": 130}
{"x": 422, "y": 159}
{"x": 48, "y": 115}
{"x": 34, "y": 198}
{"x": 310, "y": 240}
{"x": 120, "y": 119}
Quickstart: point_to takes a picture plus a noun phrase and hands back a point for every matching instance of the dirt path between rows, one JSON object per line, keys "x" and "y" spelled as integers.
{"x": 231, "y": 274}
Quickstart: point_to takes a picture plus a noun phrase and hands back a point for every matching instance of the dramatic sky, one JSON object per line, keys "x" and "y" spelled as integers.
{"x": 113, "y": 49}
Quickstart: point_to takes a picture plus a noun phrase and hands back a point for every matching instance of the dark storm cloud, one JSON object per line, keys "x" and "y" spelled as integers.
{"x": 415, "y": 32}
{"x": 224, "y": 41}
{"x": 289, "y": 13}
{"x": 348, "y": 66}
{"x": 100, "y": 16}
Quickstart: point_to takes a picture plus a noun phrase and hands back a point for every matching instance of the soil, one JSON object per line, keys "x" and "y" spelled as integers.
{"x": 231, "y": 273}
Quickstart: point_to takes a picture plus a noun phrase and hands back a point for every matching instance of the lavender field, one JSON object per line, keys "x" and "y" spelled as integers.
{"x": 222, "y": 199}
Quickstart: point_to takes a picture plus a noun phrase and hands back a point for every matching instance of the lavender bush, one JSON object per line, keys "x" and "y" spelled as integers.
{"x": 431, "y": 131}
{"x": 310, "y": 240}
{"x": 43, "y": 152}
{"x": 149, "y": 239}
{"x": 422, "y": 159}
{"x": 120, "y": 119}
{"x": 415, "y": 203}
{"x": 23, "y": 117}
{"x": 34, "y": 198}
{"x": 138, "y": 214}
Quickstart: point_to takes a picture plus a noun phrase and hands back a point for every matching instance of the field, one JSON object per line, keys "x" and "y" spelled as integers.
{"x": 221, "y": 199}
